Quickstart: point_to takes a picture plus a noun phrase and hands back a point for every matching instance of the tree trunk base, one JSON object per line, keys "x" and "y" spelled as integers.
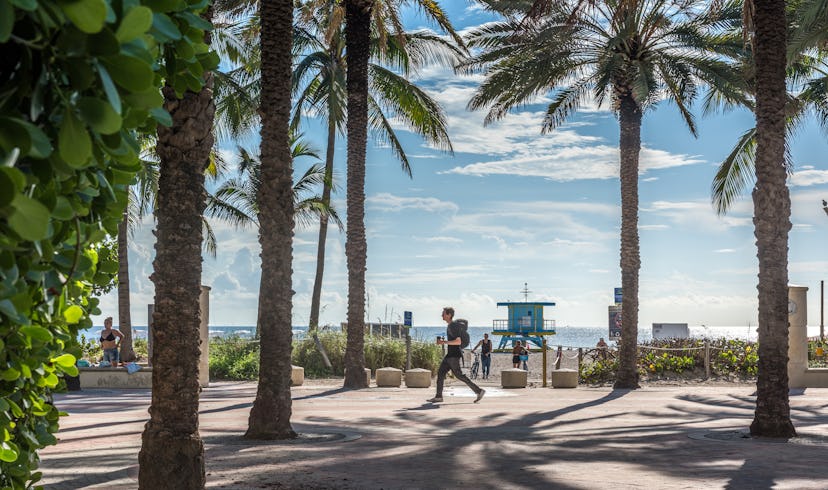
{"x": 781, "y": 429}
{"x": 167, "y": 461}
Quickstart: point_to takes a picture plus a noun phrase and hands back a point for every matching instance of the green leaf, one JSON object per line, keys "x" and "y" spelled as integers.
{"x": 164, "y": 29}
{"x": 162, "y": 116}
{"x": 10, "y": 374}
{"x": 63, "y": 209}
{"x": 30, "y": 218}
{"x": 129, "y": 72}
{"x": 74, "y": 143}
{"x": 99, "y": 115}
{"x": 70, "y": 370}
{"x": 6, "y": 20}
{"x": 8, "y": 452}
{"x": 137, "y": 21}
{"x": 73, "y": 314}
{"x": 34, "y": 332}
{"x": 88, "y": 15}
{"x": 145, "y": 100}
{"x": 27, "y": 5}
{"x": 109, "y": 88}
{"x": 64, "y": 360}
{"x": 8, "y": 185}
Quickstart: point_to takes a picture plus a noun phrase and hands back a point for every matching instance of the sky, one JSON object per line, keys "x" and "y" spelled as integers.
{"x": 511, "y": 207}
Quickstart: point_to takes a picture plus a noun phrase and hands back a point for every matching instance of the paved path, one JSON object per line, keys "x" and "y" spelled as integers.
{"x": 658, "y": 437}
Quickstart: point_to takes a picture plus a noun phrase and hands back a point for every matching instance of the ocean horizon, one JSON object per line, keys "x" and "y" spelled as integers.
{"x": 567, "y": 337}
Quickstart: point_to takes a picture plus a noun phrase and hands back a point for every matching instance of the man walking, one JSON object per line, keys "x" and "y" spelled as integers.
{"x": 452, "y": 360}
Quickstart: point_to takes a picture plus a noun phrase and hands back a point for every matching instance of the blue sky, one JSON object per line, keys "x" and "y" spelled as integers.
{"x": 512, "y": 206}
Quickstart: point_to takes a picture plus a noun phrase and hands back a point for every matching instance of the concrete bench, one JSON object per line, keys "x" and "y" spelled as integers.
{"x": 117, "y": 377}
{"x": 564, "y": 378}
{"x": 297, "y": 376}
{"x": 418, "y": 378}
{"x": 389, "y": 376}
{"x": 513, "y": 378}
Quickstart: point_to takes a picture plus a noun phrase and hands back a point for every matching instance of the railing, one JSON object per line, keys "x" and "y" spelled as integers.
{"x": 548, "y": 326}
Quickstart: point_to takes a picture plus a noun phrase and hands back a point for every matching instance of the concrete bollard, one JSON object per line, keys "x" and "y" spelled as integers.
{"x": 389, "y": 376}
{"x": 418, "y": 378}
{"x": 367, "y": 375}
{"x": 564, "y": 378}
{"x": 297, "y": 376}
{"x": 513, "y": 378}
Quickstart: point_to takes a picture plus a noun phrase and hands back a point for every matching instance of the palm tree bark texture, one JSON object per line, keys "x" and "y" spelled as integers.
{"x": 357, "y": 34}
{"x": 271, "y": 411}
{"x": 630, "y": 116}
{"x": 124, "y": 318}
{"x": 771, "y": 219}
{"x": 172, "y": 452}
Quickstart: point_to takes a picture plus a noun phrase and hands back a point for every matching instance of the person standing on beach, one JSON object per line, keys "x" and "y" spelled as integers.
{"x": 110, "y": 341}
{"x": 485, "y": 354}
{"x": 451, "y": 362}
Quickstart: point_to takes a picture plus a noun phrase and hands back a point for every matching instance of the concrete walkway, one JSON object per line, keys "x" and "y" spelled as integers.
{"x": 658, "y": 437}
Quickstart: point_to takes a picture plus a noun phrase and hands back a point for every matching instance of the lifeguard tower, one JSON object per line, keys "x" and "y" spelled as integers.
{"x": 525, "y": 322}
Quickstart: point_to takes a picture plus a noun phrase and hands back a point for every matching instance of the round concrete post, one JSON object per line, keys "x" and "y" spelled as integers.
{"x": 797, "y": 335}
{"x": 204, "y": 336}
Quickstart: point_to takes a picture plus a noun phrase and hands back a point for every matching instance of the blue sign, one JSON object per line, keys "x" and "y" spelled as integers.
{"x": 407, "y": 318}
{"x": 618, "y": 296}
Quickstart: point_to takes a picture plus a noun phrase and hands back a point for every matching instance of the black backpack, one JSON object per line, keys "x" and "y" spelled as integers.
{"x": 463, "y": 333}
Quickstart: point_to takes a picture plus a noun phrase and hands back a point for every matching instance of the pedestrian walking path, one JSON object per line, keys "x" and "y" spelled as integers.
{"x": 658, "y": 437}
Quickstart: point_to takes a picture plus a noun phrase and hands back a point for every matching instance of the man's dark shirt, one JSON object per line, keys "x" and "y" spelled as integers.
{"x": 453, "y": 332}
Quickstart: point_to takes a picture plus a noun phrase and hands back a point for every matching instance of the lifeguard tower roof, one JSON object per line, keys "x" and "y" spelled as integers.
{"x": 525, "y": 303}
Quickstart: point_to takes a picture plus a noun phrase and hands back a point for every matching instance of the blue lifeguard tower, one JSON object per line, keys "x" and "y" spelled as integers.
{"x": 525, "y": 322}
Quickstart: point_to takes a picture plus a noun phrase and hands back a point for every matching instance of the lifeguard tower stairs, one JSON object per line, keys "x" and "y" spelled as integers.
{"x": 525, "y": 322}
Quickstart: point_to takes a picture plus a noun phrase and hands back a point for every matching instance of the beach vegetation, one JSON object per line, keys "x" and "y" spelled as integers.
{"x": 628, "y": 55}
{"x": 235, "y": 358}
{"x": 681, "y": 359}
{"x": 78, "y": 80}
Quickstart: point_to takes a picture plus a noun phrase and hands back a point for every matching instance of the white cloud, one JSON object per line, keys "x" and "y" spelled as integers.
{"x": 805, "y": 178}
{"x": 390, "y": 203}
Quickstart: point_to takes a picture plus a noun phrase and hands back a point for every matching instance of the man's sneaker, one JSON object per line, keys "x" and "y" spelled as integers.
{"x": 480, "y": 396}
{"x": 436, "y": 399}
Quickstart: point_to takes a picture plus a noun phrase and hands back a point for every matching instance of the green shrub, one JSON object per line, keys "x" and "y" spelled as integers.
{"x": 727, "y": 357}
{"x": 237, "y": 359}
{"x": 234, "y": 358}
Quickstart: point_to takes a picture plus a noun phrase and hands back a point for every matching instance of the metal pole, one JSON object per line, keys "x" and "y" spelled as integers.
{"x": 558, "y": 360}
{"x": 822, "y": 309}
{"x": 407, "y": 352}
{"x": 544, "y": 362}
{"x": 707, "y": 358}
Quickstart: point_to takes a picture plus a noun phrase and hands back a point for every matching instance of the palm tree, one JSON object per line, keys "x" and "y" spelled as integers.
{"x": 631, "y": 53}
{"x": 358, "y": 25}
{"x": 172, "y": 452}
{"x": 319, "y": 79}
{"x": 140, "y": 198}
{"x": 271, "y": 411}
{"x": 771, "y": 219}
{"x": 235, "y": 200}
{"x": 358, "y": 47}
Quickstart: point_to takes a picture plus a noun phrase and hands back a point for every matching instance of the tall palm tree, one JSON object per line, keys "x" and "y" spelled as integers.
{"x": 319, "y": 79}
{"x": 140, "y": 197}
{"x": 172, "y": 452}
{"x": 358, "y": 47}
{"x": 630, "y": 53}
{"x": 271, "y": 411}
{"x": 771, "y": 218}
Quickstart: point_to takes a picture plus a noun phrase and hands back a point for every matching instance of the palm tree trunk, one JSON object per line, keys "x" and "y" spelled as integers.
{"x": 316, "y": 298}
{"x": 630, "y": 144}
{"x": 771, "y": 218}
{"x": 270, "y": 414}
{"x": 172, "y": 453}
{"x": 357, "y": 33}
{"x": 124, "y": 318}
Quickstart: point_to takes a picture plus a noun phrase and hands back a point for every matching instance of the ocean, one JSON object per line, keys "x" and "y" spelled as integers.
{"x": 565, "y": 336}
